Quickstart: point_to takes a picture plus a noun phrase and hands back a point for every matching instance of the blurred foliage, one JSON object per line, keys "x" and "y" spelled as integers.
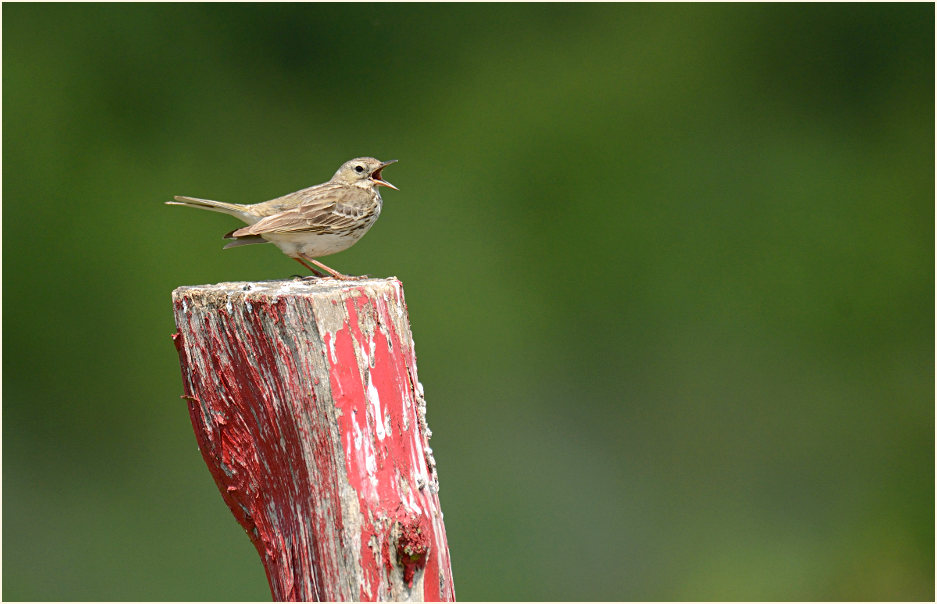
{"x": 669, "y": 269}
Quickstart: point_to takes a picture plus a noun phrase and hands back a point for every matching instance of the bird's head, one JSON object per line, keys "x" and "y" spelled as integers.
{"x": 363, "y": 171}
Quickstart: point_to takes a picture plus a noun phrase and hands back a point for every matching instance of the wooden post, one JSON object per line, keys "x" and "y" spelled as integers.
{"x": 307, "y": 409}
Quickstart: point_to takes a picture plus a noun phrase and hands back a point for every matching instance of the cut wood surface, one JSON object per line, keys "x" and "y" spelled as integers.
{"x": 307, "y": 409}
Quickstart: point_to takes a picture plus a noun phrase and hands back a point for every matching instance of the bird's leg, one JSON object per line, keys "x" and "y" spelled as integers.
{"x": 314, "y": 271}
{"x": 333, "y": 272}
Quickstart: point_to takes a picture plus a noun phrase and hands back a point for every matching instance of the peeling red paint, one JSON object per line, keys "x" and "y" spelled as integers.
{"x": 252, "y": 429}
{"x": 375, "y": 456}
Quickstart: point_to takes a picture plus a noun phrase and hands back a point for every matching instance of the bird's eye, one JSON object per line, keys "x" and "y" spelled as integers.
{"x": 359, "y": 169}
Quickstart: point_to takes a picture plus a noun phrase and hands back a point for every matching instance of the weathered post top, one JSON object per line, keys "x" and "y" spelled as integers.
{"x": 308, "y": 411}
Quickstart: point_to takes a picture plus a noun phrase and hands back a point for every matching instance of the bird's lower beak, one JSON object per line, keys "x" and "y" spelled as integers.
{"x": 376, "y": 175}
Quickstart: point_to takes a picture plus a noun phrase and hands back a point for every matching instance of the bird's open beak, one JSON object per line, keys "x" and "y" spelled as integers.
{"x": 376, "y": 175}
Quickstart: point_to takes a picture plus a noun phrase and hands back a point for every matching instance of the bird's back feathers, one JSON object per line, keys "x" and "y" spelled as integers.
{"x": 325, "y": 208}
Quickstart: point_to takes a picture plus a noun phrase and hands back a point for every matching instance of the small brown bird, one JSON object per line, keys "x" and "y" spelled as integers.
{"x": 316, "y": 221}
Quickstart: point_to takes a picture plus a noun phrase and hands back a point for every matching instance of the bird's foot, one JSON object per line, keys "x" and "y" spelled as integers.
{"x": 337, "y": 277}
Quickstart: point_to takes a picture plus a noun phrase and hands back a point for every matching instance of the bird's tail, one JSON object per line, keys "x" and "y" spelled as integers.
{"x": 234, "y": 209}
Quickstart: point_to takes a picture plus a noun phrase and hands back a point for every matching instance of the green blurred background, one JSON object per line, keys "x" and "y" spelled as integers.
{"x": 669, "y": 270}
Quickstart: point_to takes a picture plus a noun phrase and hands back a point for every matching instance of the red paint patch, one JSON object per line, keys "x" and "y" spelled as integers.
{"x": 413, "y": 546}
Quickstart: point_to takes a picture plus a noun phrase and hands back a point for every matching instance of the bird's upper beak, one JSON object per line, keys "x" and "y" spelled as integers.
{"x": 376, "y": 175}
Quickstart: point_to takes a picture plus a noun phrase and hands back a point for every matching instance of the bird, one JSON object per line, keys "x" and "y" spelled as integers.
{"x": 316, "y": 221}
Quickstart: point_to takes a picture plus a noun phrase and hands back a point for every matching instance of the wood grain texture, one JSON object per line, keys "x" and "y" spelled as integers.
{"x": 306, "y": 406}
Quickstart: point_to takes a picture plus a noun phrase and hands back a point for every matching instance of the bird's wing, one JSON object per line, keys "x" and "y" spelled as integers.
{"x": 314, "y": 195}
{"x": 323, "y": 209}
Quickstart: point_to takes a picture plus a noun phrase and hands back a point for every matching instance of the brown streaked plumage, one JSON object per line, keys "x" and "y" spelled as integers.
{"x": 317, "y": 221}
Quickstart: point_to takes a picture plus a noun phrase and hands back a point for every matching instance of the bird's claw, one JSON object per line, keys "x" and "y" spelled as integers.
{"x": 339, "y": 277}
